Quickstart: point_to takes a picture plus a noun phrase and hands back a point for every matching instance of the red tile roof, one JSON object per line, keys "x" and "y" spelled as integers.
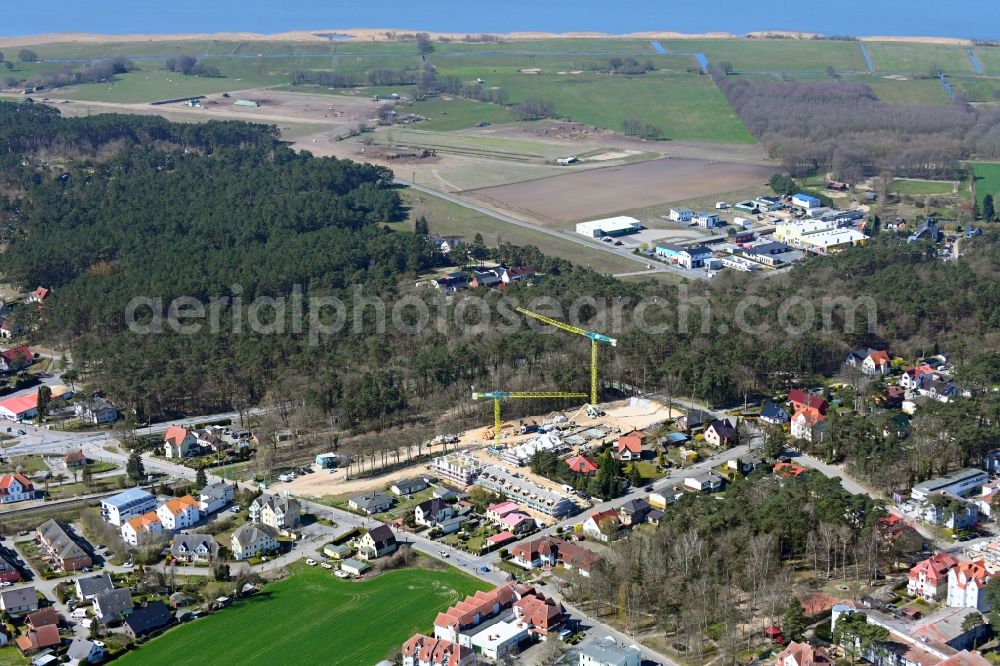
{"x": 632, "y": 443}
{"x": 436, "y": 651}
{"x": 804, "y": 655}
{"x": 175, "y": 434}
{"x": 41, "y": 293}
{"x": 43, "y": 637}
{"x": 7, "y": 479}
{"x": 966, "y": 572}
{"x": 789, "y": 469}
{"x": 935, "y": 567}
{"x": 581, "y": 465}
{"x": 879, "y": 358}
{"x": 17, "y": 355}
{"x": 476, "y": 608}
{"x": 800, "y": 399}
{"x": 502, "y": 537}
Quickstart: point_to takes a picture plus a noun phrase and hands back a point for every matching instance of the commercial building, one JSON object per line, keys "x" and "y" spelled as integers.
{"x": 612, "y": 226}
{"x": 133, "y": 502}
{"x": 962, "y": 482}
{"x": 805, "y": 201}
{"x": 607, "y": 652}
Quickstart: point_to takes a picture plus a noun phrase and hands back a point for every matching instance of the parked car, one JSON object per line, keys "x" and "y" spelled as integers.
{"x": 311, "y": 562}
{"x": 326, "y": 565}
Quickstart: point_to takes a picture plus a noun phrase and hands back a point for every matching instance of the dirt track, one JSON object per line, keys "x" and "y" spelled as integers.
{"x": 592, "y": 194}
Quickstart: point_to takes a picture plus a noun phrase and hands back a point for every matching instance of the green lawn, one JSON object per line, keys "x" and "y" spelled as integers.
{"x": 987, "y": 178}
{"x": 10, "y": 656}
{"x": 29, "y": 464}
{"x": 977, "y": 88}
{"x": 447, "y": 115}
{"x": 149, "y": 85}
{"x": 776, "y": 55}
{"x": 917, "y": 58}
{"x": 905, "y": 186}
{"x": 313, "y": 617}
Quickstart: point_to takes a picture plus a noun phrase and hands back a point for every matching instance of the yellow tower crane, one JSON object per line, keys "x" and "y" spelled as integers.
{"x": 593, "y": 336}
{"x": 498, "y": 396}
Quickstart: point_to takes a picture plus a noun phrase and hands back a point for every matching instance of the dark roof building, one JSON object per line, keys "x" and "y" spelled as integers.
{"x": 144, "y": 621}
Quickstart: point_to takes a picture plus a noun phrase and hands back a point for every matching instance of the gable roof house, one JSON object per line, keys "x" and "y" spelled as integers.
{"x": 547, "y": 551}
{"x": 407, "y": 486}
{"x": 432, "y": 511}
{"x": 43, "y": 617}
{"x": 378, "y": 541}
{"x": 8, "y": 572}
{"x": 177, "y": 442}
{"x": 799, "y": 400}
{"x": 19, "y": 601}
{"x": 516, "y": 274}
{"x": 720, "y": 432}
{"x": 281, "y": 513}
{"x": 928, "y": 578}
{"x": 16, "y": 487}
{"x": 179, "y": 513}
{"x": 803, "y": 654}
{"x": 876, "y": 363}
{"x": 914, "y": 376}
{"x": 142, "y": 529}
{"x": 369, "y": 503}
{"x": 708, "y": 481}
{"x": 807, "y": 424}
{"x": 693, "y": 420}
{"x": 88, "y": 587}
{"x": 629, "y": 447}
{"x": 253, "y": 539}
{"x": 194, "y": 548}
{"x": 16, "y": 358}
{"x": 146, "y": 620}
{"x": 422, "y": 650}
{"x": 113, "y": 605}
{"x": 603, "y": 525}
{"x": 81, "y": 650}
{"x": 62, "y": 548}
{"x": 634, "y": 511}
{"x": 773, "y": 413}
{"x": 95, "y": 411}
{"x": 966, "y": 586}
{"x": 38, "y": 639}
{"x": 215, "y": 496}
{"x": 582, "y": 465}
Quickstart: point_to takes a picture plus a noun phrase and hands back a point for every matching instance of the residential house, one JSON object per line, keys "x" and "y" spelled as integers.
{"x": 371, "y": 503}
{"x": 603, "y": 525}
{"x": 496, "y": 512}
{"x": 629, "y": 447}
{"x": 517, "y": 523}
{"x": 422, "y": 650}
{"x": 8, "y": 572}
{"x": 990, "y": 494}
{"x": 547, "y": 552}
{"x": 95, "y": 411}
{"x": 9, "y": 328}
{"x": 694, "y": 256}
{"x": 799, "y": 400}
{"x": 15, "y": 359}
{"x": 951, "y": 511}
{"x": 544, "y": 616}
{"x": 146, "y": 620}
{"x": 19, "y": 601}
{"x": 708, "y": 220}
{"x": 462, "y": 468}
{"x": 81, "y": 650}
{"x": 720, "y": 433}
{"x": 788, "y": 470}
{"x": 253, "y": 539}
{"x": 377, "y": 542}
{"x": 928, "y": 579}
{"x": 516, "y": 274}
{"x": 940, "y": 390}
{"x": 963, "y": 483}
{"x": 75, "y": 459}
{"x": 526, "y": 492}
{"x": 194, "y": 548}
{"x": 743, "y": 464}
{"x": 893, "y": 396}
{"x": 177, "y": 442}
{"x": 209, "y": 440}
{"x": 582, "y": 465}
{"x": 180, "y": 513}
{"x": 876, "y": 363}
{"x": 707, "y": 481}
{"x": 128, "y": 504}
{"x": 38, "y": 295}
{"x": 634, "y": 512}
{"x": 432, "y": 512}
{"x": 966, "y": 586}
{"x": 16, "y": 487}
{"x": 113, "y": 605}
{"x": 214, "y": 497}
{"x": 453, "y": 624}
{"x": 914, "y": 377}
{"x": 807, "y": 424}
{"x": 773, "y": 413}
{"x": 142, "y": 529}
{"x": 607, "y": 652}
{"x": 408, "y": 487}
{"x": 62, "y": 548}
{"x": 486, "y": 279}
{"x": 693, "y": 420}
{"x": 35, "y": 640}
{"x": 43, "y": 618}
{"x": 281, "y": 513}
{"x": 803, "y": 654}
{"x": 89, "y": 587}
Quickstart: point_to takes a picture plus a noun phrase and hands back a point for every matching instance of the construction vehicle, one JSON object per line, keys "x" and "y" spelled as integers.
{"x": 498, "y": 396}
{"x": 593, "y": 336}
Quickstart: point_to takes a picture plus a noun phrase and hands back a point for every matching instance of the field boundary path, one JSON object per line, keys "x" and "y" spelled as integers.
{"x": 867, "y": 57}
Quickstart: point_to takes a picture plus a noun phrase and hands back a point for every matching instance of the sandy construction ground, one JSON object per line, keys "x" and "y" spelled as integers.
{"x": 623, "y": 416}
{"x": 603, "y": 192}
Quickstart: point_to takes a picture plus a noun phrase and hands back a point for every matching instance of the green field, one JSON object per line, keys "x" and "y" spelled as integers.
{"x": 919, "y": 187}
{"x": 313, "y": 617}
{"x": 977, "y": 88}
{"x": 987, "y": 178}
{"x": 989, "y": 58}
{"x": 447, "y": 115}
{"x": 779, "y": 55}
{"x": 907, "y": 91}
{"x": 149, "y": 86}
{"x": 891, "y": 57}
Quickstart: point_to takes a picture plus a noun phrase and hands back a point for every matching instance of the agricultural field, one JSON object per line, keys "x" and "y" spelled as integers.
{"x": 921, "y": 187}
{"x": 450, "y": 219}
{"x": 900, "y": 57}
{"x": 148, "y": 86}
{"x": 782, "y": 55}
{"x": 987, "y": 180}
{"x": 591, "y": 194}
{"x": 448, "y": 114}
{"x": 977, "y": 88}
{"x": 989, "y": 58}
{"x": 908, "y": 91}
{"x": 282, "y": 624}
